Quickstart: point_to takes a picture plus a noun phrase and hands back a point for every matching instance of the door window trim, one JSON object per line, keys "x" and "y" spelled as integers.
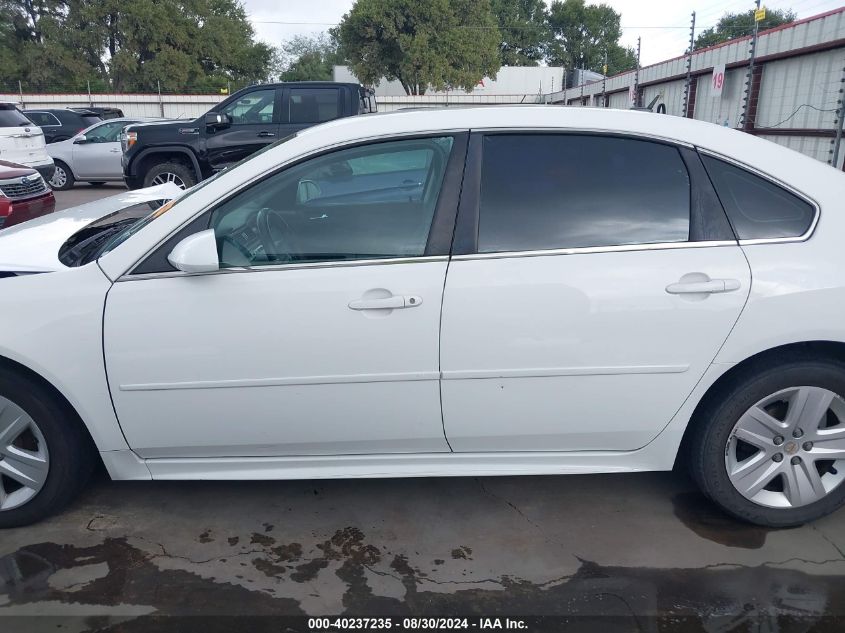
{"x": 777, "y": 183}
{"x": 440, "y": 234}
{"x": 466, "y": 231}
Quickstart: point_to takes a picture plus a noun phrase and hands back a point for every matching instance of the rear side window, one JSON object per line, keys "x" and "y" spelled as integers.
{"x": 756, "y": 207}
{"x": 42, "y": 119}
{"x": 11, "y": 117}
{"x": 541, "y": 192}
{"x": 313, "y": 105}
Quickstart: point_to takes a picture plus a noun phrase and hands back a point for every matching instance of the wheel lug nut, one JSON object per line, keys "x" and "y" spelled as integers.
{"x": 778, "y": 440}
{"x": 797, "y": 433}
{"x": 807, "y": 446}
{"x": 795, "y": 461}
{"x": 777, "y": 457}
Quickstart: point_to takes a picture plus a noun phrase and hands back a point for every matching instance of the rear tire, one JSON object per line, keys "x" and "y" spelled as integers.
{"x": 62, "y": 179}
{"x": 752, "y": 449}
{"x": 54, "y": 443}
{"x": 178, "y": 173}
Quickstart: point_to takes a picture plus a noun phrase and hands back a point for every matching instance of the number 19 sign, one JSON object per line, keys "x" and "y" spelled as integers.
{"x": 717, "y": 83}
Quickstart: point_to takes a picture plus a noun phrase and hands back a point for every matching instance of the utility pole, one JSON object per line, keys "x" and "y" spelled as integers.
{"x": 20, "y": 92}
{"x": 689, "y": 67}
{"x": 746, "y": 106}
{"x": 604, "y": 81}
{"x": 840, "y": 115}
{"x": 637, "y": 76}
{"x": 90, "y": 101}
{"x": 160, "y": 101}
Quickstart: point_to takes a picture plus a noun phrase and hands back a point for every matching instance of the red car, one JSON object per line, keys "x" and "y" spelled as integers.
{"x": 23, "y": 194}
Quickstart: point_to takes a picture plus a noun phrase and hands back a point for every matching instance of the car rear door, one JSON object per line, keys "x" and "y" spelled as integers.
{"x": 322, "y": 339}
{"x": 307, "y": 106}
{"x": 594, "y": 280}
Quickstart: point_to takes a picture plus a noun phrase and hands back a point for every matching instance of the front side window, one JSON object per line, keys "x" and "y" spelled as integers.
{"x": 756, "y": 207}
{"x": 254, "y": 108}
{"x": 367, "y": 202}
{"x": 313, "y": 105}
{"x": 554, "y": 191}
{"x": 106, "y": 133}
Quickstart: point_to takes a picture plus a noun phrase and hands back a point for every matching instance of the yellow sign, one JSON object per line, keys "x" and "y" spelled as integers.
{"x": 224, "y": 91}
{"x": 760, "y": 14}
{"x": 604, "y": 69}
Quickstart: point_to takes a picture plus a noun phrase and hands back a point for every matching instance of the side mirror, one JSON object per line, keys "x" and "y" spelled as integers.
{"x": 80, "y": 140}
{"x": 307, "y": 190}
{"x": 197, "y": 253}
{"x": 216, "y": 119}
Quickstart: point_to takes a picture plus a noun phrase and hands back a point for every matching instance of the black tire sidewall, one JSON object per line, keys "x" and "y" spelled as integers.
{"x": 709, "y": 468}
{"x": 70, "y": 454}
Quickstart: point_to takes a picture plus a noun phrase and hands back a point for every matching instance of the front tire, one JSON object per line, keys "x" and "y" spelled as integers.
{"x": 45, "y": 455}
{"x": 770, "y": 449}
{"x": 177, "y": 173}
{"x": 62, "y": 178}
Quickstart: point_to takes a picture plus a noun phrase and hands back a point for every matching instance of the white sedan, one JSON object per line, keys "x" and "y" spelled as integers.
{"x": 497, "y": 291}
{"x": 92, "y": 156}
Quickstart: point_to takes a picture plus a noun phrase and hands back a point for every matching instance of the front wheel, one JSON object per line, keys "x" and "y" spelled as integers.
{"x": 772, "y": 449}
{"x": 45, "y": 456}
{"x": 177, "y": 173}
{"x": 62, "y": 178}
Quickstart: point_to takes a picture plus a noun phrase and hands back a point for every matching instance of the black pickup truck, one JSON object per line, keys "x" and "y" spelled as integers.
{"x": 186, "y": 152}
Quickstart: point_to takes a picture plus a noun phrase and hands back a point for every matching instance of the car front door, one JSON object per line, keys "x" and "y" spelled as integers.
{"x": 594, "y": 281}
{"x": 320, "y": 333}
{"x": 252, "y": 123}
{"x": 98, "y": 156}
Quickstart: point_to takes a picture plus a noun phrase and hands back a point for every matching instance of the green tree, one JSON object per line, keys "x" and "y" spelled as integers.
{"x": 130, "y": 46}
{"x": 308, "y": 58}
{"x": 435, "y": 44}
{"x": 524, "y": 29}
{"x": 584, "y": 34}
{"x": 733, "y": 25}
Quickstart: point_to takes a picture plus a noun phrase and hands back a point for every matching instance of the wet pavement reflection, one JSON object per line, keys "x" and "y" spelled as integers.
{"x": 616, "y": 552}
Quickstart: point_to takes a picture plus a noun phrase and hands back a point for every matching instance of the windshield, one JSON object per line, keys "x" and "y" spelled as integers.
{"x": 107, "y": 233}
{"x": 12, "y": 117}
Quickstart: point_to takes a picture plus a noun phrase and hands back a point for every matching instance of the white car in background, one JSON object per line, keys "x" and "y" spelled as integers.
{"x": 22, "y": 142}
{"x": 93, "y": 155}
{"x": 468, "y": 292}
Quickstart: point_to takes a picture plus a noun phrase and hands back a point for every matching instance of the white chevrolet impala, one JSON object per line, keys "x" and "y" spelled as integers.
{"x": 497, "y": 291}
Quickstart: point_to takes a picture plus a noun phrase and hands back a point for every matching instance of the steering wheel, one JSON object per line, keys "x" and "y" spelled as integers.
{"x": 274, "y": 233}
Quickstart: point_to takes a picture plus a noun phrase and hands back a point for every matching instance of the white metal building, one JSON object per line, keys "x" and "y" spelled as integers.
{"x": 795, "y": 89}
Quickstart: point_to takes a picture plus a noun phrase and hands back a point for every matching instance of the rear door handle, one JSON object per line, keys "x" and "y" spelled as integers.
{"x": 395, "y": 302}
{"x": 266, "y": 134}
{"x": 703, "y": 287}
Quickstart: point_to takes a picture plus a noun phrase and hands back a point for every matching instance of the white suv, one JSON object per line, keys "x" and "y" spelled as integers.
{"x": 22, "y": 142}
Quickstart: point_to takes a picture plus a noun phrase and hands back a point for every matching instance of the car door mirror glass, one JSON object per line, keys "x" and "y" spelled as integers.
{"x": 80, "y": 140}
{"x": 196, "y": 253}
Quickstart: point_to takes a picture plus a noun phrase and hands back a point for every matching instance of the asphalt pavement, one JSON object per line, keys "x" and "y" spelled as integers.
{"x": 83, "y": 192}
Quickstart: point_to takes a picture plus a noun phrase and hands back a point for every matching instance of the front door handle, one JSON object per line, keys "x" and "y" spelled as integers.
{"x": 394, "y": 302}
{"x": 711, "y": 286}
{"x": 266, "y": 134}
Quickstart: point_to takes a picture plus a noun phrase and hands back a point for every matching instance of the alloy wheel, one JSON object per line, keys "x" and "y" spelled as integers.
{"x": 788, "y": 450}
{"x": 24, "y": 459}
{"x": 59, "y": 178}
{"x": 167, "y": 176}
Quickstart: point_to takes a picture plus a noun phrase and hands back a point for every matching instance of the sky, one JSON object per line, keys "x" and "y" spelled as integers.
{"x": 663, "y": 26}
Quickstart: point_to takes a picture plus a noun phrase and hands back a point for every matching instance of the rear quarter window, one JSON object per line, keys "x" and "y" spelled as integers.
{"x": 11, "y": 117}
{"x": 756, "y": 207}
